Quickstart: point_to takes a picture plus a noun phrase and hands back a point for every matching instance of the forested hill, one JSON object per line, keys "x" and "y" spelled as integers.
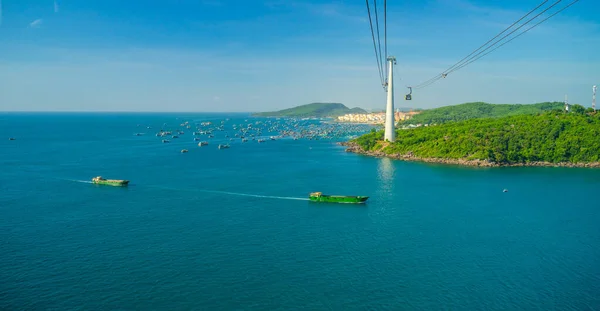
{"x": 479, "y": 110}
{"x": 552, "y": 137}
{"x": 313, "y": 110}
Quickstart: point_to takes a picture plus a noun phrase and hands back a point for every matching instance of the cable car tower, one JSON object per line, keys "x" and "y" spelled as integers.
{"x": 383, "y": 69}
{"x": 594, "y": 98}
{"x": 390, "y": 134}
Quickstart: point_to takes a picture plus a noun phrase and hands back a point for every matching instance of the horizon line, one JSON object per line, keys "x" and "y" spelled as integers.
{"x": 116, "y": 111}
{"x": 252, "y": 112}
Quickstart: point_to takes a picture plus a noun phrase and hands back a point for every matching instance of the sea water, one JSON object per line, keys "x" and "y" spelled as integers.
{"x": 231, "y": 229}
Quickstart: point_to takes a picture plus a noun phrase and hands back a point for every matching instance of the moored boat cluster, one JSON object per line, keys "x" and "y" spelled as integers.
{"x": 224, "y": 133}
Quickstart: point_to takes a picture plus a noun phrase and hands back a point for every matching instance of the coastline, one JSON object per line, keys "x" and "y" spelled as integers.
{"x": 354, "y": 122}
{"x": 355, "y": 148}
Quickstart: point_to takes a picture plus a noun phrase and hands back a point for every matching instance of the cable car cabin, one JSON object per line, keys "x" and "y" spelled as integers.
{"x": 409, "y": 95}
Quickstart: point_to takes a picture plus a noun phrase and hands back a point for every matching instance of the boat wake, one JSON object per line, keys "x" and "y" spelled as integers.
{"x": 76, "y": 180}
{"x": 256, "y": 195}
{"x": 233, "y": 193}
{"x": 210, "y": 191}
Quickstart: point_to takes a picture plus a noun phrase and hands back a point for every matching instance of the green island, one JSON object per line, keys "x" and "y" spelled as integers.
{"x": 314, "y": 110}
{"x": 547, "y": 138}
{"x": 479, "y": 110}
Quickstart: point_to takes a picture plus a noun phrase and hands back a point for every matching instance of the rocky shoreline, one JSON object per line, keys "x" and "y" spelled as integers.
{"x": 355, "y": 148}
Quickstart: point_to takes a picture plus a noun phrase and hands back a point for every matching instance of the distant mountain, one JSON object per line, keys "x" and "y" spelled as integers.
{"x": 479, "y": 110}
{"x": 318, "y": 110}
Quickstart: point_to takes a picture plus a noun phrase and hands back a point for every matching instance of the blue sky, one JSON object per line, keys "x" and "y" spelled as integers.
{"x": 228, "y": 55}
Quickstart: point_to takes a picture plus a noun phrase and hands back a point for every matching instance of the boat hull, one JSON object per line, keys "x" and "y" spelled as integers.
{"x": 117, "y": 183}
{"x": 338, "y": 199}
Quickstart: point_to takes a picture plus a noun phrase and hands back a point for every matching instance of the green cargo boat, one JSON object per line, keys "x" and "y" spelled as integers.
{"x": 320, "y": 197}
{"x": 111, "y": 182}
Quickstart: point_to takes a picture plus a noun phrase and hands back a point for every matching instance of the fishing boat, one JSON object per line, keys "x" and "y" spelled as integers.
{"x": 111, "y": 182}
{"x": 320, "y": 197}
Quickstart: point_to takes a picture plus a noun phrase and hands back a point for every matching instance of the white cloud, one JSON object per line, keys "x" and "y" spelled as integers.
{"x": 522, "y": 71}
{"x": 466, "y": 5}
{"x": 36, "y": 23}
{"x": 341, "y": 11}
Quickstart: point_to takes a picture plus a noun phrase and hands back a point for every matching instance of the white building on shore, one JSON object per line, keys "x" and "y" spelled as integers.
{"x": 374, "y": 118}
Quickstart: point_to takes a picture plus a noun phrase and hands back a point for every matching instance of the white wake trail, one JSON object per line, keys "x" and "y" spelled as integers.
{"x": 256, "y": 195}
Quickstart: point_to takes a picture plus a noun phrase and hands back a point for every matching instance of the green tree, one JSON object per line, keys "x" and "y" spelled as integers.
{"x": 553, "y": 136}
{"x": 577, "y": 109}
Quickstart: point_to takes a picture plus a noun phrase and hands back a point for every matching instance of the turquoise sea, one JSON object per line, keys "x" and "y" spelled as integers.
{"x": 231, "y": 229}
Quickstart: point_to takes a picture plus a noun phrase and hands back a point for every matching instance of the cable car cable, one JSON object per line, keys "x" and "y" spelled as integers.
{"x": 379, "y": 40}
{"x": 374, "y": 44}
{"x": 503, "y": 31}
{"x": 443, "y": 74}
{"x": 527, "y": 22}
{"x": 385, "y": 36}
{"x": 547, "y": 18}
